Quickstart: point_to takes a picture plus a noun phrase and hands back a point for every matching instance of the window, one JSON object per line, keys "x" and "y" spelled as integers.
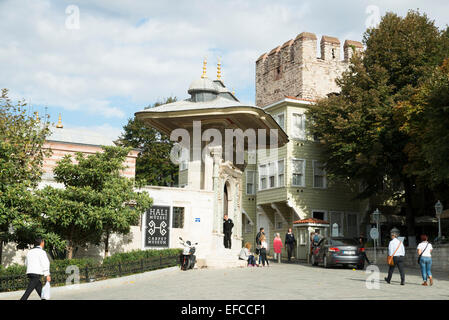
{"x": 248, "y": 226}
{"x": 178, "y": 217}
{"x": 302, "y": 237}
{"x": 298, "y": 178}
{"x": 183, "y": 155}
{"x": 318, "y": 215}
{"x": 272, "y": 174}
{"x": 263, "y": 177}
{"x": 319, "y": 175}
{"x": 336, "y": 224}
{"x": 280, "y": 119}
{"x": 280, "y": 173}
{"x": 250, "y": 178}
{"x": 278, "y": 221}
{"x": 299, "y": 126}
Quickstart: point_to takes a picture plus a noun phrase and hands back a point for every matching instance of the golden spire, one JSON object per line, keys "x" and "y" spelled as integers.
{"x": 233, "y": 91}
{"x": 204, "y": 68}
{"x": 37, "y": 115}
{"x": 219, "y": 69}
{"x": 59, "y": 125}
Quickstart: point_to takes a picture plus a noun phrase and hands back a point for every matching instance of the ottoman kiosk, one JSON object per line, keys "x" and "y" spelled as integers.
{"x": 213, "y": 180}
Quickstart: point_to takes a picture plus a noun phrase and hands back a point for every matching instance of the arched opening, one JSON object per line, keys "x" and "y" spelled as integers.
{"x": 225, "y": 200}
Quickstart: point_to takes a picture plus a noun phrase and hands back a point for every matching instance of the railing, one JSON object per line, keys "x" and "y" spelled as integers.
{"x": 89, "y": 274}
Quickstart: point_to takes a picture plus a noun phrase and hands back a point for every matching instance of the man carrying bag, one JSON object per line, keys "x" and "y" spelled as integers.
{"x": 396, "y": 253}
{"x": 38, "y": 265}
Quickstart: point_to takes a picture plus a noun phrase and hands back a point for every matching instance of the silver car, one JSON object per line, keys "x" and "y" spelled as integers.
{"x": 338, "y": 251}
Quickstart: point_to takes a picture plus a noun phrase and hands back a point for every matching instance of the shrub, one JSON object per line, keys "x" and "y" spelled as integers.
{"x": 61, "y": 265}
{"x": 137, "y": 255}
{"x": 13, "y": 269}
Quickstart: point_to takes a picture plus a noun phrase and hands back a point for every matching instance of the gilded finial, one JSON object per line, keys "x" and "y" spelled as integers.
{"x": 37, "y": 115}
{"x": 59, "y": 125}
{"x": 219, "y": 69}
{"x": 233, "y": 91}
{"x": 204, "y": 68}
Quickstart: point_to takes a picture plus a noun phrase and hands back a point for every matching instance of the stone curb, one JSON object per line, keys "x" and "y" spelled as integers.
{"x": 96, "y": 284}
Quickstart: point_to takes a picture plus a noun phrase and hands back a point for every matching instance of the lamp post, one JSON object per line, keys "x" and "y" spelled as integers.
{"x": 376, "y": 215}
{"x": 438, "y": 211}
{"x": 375, "y": 235}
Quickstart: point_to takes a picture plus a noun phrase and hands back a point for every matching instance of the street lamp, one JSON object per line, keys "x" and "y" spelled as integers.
{"x": 376, "y": 215}
{"x": 438, "y": 211}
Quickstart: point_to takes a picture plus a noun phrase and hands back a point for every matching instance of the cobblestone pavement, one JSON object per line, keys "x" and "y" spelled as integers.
{"x": 279, "y": 281}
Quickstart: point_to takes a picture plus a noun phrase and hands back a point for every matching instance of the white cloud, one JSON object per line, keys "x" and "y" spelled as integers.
{"x": 142, "y": 51}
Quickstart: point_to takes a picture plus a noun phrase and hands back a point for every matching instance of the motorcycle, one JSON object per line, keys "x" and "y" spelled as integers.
{"x": 187, "y": 257}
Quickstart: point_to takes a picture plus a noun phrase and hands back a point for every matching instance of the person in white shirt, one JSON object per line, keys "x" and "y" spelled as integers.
{"x": 38, "y": 265}
{"x": 425, "y": 259}
{"x": 397, "y": 250}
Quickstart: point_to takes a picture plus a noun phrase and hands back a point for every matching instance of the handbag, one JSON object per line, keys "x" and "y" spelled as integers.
{"x": 419, "y": 258}
{"x": 390, "y": 258}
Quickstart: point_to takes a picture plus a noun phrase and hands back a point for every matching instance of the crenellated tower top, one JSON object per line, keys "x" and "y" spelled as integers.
{"x": 294, "y": 69}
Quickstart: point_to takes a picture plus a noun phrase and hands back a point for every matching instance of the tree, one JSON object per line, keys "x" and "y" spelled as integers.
{"x": 153, "y": 165}
{"x": 360, "y": 129}
{"x": 95, "y": 201}
{"x": 22, "y": 137}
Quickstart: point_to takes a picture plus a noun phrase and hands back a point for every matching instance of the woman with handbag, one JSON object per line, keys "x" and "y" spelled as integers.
{"x": 263, "y": 250}
{"x": 425, "y": 259}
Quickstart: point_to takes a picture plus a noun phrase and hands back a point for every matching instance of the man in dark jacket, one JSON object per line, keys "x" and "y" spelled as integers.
{"x": 289, "y": 243}
{"x": 227, "y": 230}
{"x": 261, "y": 232}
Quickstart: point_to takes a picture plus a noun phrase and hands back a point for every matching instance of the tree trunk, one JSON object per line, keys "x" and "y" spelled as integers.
{"x": 70, "y": 250}
{"x": 1, "y": 252}
{"x": 410, "y": 215}
{"x": 106, "y": 245}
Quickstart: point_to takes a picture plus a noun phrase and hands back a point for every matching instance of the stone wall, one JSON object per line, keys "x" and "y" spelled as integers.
{"x": 440, "y": 257}
{"x": 294, "y": 69}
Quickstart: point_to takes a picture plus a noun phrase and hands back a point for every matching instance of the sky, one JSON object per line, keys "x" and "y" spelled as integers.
{"x": 98, "y": 62}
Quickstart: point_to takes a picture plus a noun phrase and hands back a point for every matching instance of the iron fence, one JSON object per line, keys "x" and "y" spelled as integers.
{"x": 90, "y": 274}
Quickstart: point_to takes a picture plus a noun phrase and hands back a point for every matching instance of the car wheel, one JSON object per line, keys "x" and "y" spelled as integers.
{"x": 325, "y": 264}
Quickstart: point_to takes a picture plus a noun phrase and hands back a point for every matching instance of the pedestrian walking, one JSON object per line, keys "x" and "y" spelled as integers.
{"x": 245, "y": 254}
{"x": 362, "y": 241}
{"x": 396, "y": 253}
{"x": 289, "y": 243}
{"x": 259, "y": 234}
{"x": 425, "y": 259}
{"x": 277, "y": 247}
{"x": 227, "y": 230}
{"x": 38, "y": 265}
{"x": 263, "y": 250}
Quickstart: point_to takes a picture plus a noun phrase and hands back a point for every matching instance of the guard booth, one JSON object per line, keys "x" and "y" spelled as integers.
{"x": 302, "y": 230}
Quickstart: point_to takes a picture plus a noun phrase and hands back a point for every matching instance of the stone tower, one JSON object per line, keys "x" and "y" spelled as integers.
{"x": 294, "y": 70}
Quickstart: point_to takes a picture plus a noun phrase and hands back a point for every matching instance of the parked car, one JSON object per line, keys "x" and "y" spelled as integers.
{"x": 338, "y": 251}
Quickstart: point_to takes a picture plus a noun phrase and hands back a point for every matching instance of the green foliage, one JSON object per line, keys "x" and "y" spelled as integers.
{"x": 153, "y": 165}
{"x": 13, "y": 269}
{"x": 82, "y": 263}
{"x": 362, "y": 129}
{"x": 137, "y": 255}
{"x": 94, "y": 202}
{"x": 22, "y": 137}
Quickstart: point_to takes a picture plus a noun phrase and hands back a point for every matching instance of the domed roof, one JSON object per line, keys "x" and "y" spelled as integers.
{"x": 203, "y": 84}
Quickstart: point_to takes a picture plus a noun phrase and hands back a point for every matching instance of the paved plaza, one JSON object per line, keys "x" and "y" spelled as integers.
{"x": 279, "y": 281}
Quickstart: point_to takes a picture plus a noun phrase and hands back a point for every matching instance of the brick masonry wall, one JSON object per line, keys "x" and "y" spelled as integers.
{"x": 294, "y": 69}
{"x": 440, "y": 257}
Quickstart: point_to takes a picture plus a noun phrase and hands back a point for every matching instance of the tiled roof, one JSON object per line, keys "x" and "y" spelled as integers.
{"x": 310, "y": 220}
